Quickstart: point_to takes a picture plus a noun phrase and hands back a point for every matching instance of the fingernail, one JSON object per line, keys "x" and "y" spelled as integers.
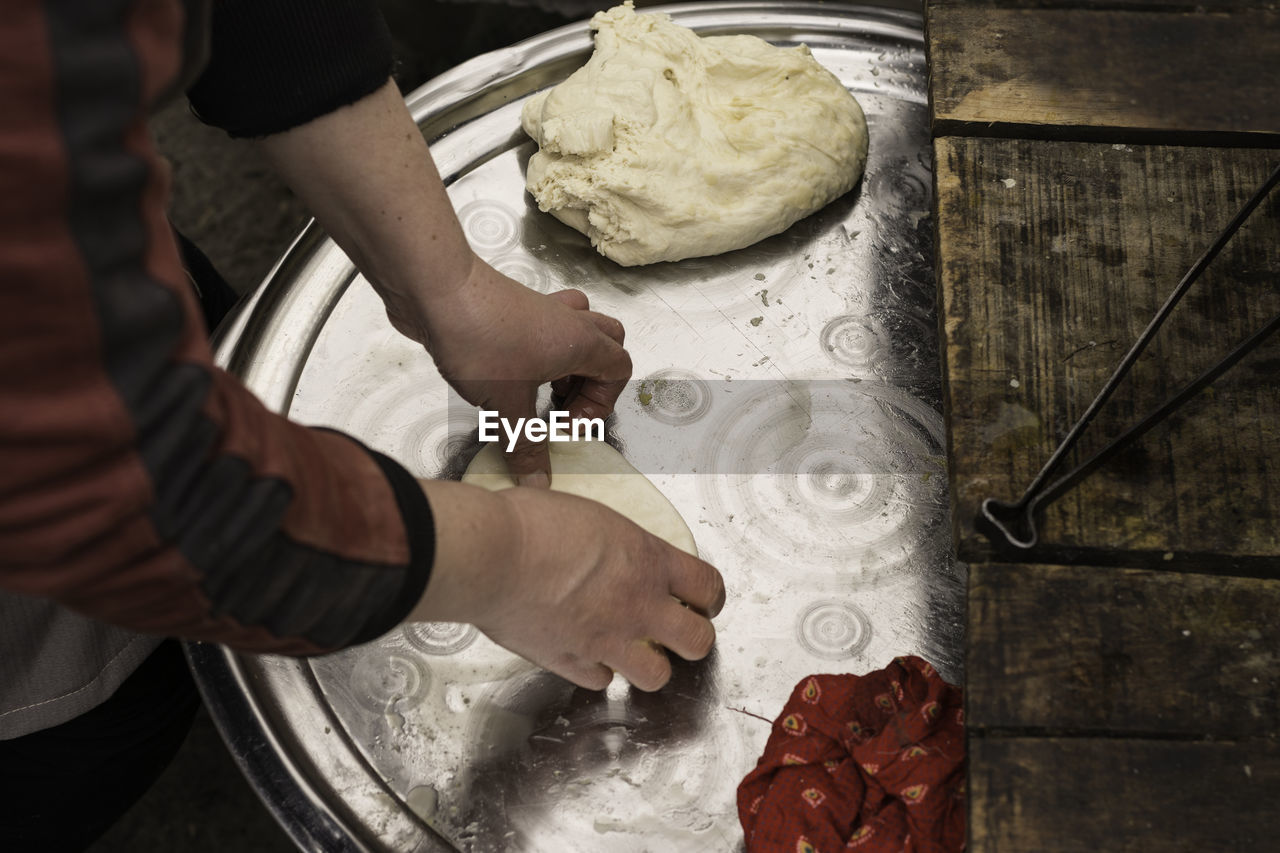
{"x": 536, "y": 480}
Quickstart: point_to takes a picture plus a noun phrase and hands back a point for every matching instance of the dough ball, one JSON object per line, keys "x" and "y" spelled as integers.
{"x": 666, "y": 145}
{"x": 594, "y": 470}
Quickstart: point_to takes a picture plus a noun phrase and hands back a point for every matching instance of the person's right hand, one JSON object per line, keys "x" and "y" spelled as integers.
{"x": 572, "y": 586}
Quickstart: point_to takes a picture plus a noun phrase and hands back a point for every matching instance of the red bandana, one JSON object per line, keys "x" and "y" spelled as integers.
{"x": 869, "y": 763}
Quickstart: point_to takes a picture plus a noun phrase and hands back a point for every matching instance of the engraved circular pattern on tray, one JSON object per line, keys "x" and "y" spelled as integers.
{"x": 440, "y": 439}
{"x": 490, "y": 227}
{"x": 675, "y": 397}
{"x": 842, "y": 476}
{"x": 902, "y": 190}
{"x": 380, "y": 681}
{"x": 834, "y": 630}
{"x": 525, "y": 270}
{"x": 856, "y": 341}
{"x": 440, "y": 638}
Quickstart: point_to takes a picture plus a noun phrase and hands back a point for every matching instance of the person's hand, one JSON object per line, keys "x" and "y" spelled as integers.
{"x": 495, "y": 341}
{"x": 570, "y": 585}
{"x": 365, "y": 172}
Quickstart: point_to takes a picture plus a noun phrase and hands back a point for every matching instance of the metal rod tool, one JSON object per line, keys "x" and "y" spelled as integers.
{"x": 1015, "y": 523}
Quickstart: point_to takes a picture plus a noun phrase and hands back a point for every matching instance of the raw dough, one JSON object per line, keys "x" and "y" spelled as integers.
{"x": 666, "y": 145}
{"x": 594, "y": 470}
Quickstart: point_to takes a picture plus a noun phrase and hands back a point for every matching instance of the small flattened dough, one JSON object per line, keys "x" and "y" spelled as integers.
{"x": 667, "y": 145}
{"x": 594, "y": 470}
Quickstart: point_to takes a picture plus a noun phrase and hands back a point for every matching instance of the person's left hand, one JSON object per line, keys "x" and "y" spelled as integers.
{"x": 367, "y": 174}
{"x": 495, "y": 341}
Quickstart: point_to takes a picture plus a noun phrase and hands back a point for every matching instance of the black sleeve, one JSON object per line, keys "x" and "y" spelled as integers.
{"x": 277, "y": 64}
{"x": 420, "y": 529}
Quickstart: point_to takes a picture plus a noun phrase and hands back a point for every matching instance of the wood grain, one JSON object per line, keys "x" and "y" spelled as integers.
{"x": 1048, "y": 72}
{"x": 1053, "y": 257}
{"x": 1122, "y": 651}
{"x": 978, "y": 6}
{"x": 1122, "y": 796}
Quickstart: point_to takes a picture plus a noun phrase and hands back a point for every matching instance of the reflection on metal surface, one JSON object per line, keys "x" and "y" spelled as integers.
{"x": 619, "y": 763}
{"x": 786, "y": 400}
{"x": 832, "y": 477}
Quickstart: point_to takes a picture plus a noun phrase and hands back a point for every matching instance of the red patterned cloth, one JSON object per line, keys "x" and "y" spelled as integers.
{"x": 870, "y": 763}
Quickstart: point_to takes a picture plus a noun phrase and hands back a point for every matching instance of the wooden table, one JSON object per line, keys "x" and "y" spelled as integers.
{"x": 1122, "y": 681}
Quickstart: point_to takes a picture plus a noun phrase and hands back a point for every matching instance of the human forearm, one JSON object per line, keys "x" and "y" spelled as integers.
{"x": 477, "y": 538}
{"x": 366, "y": 174}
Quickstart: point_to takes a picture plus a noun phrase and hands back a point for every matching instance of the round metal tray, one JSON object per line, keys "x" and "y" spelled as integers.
{"x": 800, "y": 400}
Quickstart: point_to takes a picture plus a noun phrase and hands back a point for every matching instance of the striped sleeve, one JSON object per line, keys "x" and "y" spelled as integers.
{"x": 139, "y": 484}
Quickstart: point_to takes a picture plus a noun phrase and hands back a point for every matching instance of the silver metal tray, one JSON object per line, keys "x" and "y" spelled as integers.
{"x": 801, "y": 377}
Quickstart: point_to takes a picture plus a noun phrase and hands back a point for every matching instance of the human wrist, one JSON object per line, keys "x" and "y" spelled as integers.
{"x": 416, "y": 270}
{"x": 478, "y": 541}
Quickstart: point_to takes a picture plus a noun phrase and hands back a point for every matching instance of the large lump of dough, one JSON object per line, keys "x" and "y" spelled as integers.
{"x": 666, "y": 145}
{"x": 594, "y": 470}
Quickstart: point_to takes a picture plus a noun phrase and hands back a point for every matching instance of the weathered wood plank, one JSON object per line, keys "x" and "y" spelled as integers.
{"x": 1053, "y": 257}
{"x": 1112, "y": 5}
{"x": 1121, "y": 651}
{"x": 1043, "y": 72}
{"x": 1122, "y": 796}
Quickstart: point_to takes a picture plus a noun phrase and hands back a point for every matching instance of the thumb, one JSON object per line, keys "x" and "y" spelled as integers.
{"x": 528, "y": 459}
